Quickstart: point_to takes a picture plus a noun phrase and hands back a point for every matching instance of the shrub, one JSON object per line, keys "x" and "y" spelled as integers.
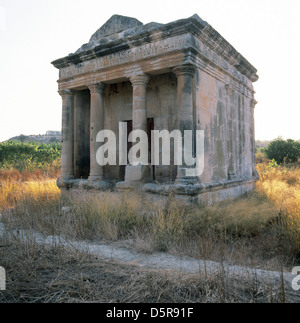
{"x": 283, "y": 150}
{"x": 28, "y": 155}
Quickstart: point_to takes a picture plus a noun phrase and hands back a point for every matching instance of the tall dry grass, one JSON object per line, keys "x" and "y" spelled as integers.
{"x": 247, "y": 231}
{"x": 30, "y": 187}
{"x": 281, "y": 184}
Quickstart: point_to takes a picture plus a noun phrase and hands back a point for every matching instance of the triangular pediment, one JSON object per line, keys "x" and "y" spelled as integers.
{"x": 114, "y": 25}
{"x": 111, "y": 30}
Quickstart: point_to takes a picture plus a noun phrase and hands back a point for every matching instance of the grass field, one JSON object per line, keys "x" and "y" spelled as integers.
{"x": 258, "y": 230}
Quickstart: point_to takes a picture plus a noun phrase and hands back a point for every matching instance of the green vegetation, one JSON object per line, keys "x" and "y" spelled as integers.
{"x": 28, "y": 155}
{"x": 283, "y": 150}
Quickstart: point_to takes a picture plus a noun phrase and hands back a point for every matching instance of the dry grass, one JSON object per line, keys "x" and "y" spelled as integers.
{"x": 16, "y": 187}
{"x": 261, "y": 229}
{"x": 39, "y": 274}
{"x": 14, "y": 175}
{"x": 281, "y": 185}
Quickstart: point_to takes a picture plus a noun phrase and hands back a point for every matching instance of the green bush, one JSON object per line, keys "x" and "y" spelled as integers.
{"x": 283, "y": 150}
{"x": 28, "y": 155}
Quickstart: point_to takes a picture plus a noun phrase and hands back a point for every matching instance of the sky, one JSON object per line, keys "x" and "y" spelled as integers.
{"x": 33, "y": 33}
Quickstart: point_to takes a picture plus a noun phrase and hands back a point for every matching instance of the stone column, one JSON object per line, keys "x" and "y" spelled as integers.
{"x": 185, "y": 74}
{"x": 96, "y": 124}
{"x": 139, "y": 173}
{"x": 67, "y": 154}
{"x": 139, "y": 113}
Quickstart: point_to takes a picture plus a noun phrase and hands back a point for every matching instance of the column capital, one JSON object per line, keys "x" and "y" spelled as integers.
{"x": 184, "y": 70}
{"x": 96, "y": 87}
{"x": 140, "y": 79}
{"x": 66, "y": 93}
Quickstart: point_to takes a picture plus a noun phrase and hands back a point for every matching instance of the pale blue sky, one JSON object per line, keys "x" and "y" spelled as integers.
{"x": 35, "y": 32}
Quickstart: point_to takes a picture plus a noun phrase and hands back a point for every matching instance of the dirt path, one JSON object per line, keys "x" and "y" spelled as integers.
{"x": 169, "y": 262}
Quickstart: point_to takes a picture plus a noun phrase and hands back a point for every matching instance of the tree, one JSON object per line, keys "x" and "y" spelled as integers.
{"x": 283, "y": 150}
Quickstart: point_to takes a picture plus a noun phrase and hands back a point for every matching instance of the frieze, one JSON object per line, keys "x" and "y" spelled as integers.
{"x": 126, "y": 56}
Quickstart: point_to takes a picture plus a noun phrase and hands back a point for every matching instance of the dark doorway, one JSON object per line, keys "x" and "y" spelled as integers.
{"x": 150, "y": 127}
{"x": 129, "y": 145}
{"x": 82, "y": 134}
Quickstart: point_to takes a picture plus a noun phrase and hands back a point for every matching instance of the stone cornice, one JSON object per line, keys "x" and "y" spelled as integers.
{"x": 190, "y": 27}
{"x": 130, "y": 56}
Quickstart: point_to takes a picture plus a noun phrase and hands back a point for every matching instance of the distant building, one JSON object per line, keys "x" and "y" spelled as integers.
{"x": 53, "y": 133}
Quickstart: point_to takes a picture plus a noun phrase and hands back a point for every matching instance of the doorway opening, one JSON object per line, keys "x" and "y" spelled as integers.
{"x": 150, "y": 127}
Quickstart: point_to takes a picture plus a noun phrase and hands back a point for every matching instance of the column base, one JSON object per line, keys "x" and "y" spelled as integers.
{"x": 182, "y": 179}
{"x": 135, "y": 177}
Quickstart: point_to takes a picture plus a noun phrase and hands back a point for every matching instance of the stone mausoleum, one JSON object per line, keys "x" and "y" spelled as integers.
{"x": 181, "y": 75}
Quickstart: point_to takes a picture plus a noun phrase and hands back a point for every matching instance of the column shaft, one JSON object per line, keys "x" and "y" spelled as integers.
{"x": 67, "y": 155}
{"x": 139, "y": 173}
{"x": 96, "y": 124}
{"x": 185, "y": 76}
{"x": 139, "y": 113}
